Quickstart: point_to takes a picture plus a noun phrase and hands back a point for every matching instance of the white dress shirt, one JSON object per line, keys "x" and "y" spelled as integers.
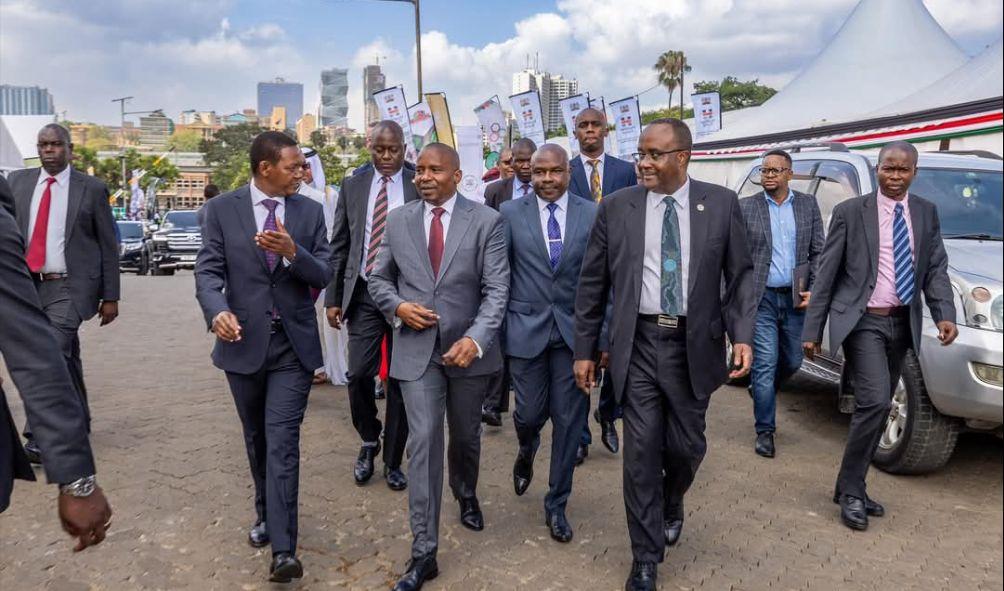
{"x": 55, "y": 237}
{"x": 261, "y": 212}
{"x": 560, "y": 214}
{"x": 589, "y": 172}
{"x": 395, "y": 198}
{"x": 517, "y": 191}
{"x": 651, "y": 277}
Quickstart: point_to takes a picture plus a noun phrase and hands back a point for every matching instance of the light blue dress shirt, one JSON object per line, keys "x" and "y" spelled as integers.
{"x": 782, "y": 234}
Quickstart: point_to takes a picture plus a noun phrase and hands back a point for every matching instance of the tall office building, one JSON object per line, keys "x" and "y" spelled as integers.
{"x": 373, "y": 81}
{"x": 551, "y": 87}
{"x": 334, "y": 108}
{"x": 25, "y": 100}
{"x": 154, "y": 129}
{"x": 279, "y": 93}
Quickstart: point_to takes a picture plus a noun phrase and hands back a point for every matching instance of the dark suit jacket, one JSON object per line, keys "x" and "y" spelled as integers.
{"x": 39, "y": 371}
{"x": 848, "y": 269}
{"x": 349, "y": 231}
{"x": 231, "y": 274}
{"x": 92, "y": 253}
{"x": 617, "y": 175}
{"x": 539, "y": 296}
{"x": 808, "y": 236}
{"x": 615, "y": 259}
{"x": 6, "y": 197}
{"x": 499, "y": 192}
{"x": 368, "y": 167}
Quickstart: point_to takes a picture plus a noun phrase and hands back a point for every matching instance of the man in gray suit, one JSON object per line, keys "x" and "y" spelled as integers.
{"x": 547, "y": 237}
{"x": 666, "y": 248}
{"x": 264, "y": 246}
{"x": 442, "y": 279}
{"x": 72, "y": 252}
{"x": 881, "y": 251}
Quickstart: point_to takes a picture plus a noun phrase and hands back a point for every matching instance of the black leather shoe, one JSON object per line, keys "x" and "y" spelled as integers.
{"x": 285, "y": 567}
{"x": 396, "y": 480}
{"x": 609, "y": 436}
{"x": 671, "y": 530}
{"x": 31, "y": 450}
{"x": 470, "y": 514}
{"x": 419, "y": 571}
{"x": 581, "y": 454}
{"x": 764, "y": 444}
{"x": 852, "y": 513}
{"x": 258, "y": 535}
{"x": 561, "y": 530}
{"x": 872, "y": 508}
{"x": 363, "y": 470}
{"x": 522, "y": 471}
{"x": 491, "y": 417}
{"x": 643, "y": 576}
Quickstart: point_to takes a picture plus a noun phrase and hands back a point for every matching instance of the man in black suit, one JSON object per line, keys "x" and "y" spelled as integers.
{"x": 882, "y": 250}
{"x": 32, "y": 356}
{"x": 515, "y": 185}
{"x": 666, "y": 249}
{"x": 606, "y": 175}
{"x": 264, "y": 247}
{"x": 72, "y": 251}
{"x": 364, "y": 202}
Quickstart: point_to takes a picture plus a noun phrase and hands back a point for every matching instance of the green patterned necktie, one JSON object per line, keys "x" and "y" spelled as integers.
{"x": 671, "y": 282}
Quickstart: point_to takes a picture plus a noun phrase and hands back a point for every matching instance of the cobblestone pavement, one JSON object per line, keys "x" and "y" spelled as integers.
{"x": 171, "y": 460}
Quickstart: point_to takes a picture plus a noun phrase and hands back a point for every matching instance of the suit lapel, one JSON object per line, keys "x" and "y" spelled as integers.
{"x": 916, "y": 226}
{"x": 573, "y": 220}
{"x": 802, "y": 221}
{"x": 23, "y": 193}
{"x": 579, "y": 180}
{"x": 363, "y": 200}
{"x": 608, "y": 174}
{"x": 416, "y": 228}
{"x": 408, "y": 180}
{"x": 634, "y": 229}
{"x": 869, "y": 216}
{"x": 763, "y": 213}
{"x": 75, "y": 197}
{"x": 245, "y": 213}
{"x": 532, "y": 217}
{"x": 698, "y": 231}
{"x": 461, "y": 222}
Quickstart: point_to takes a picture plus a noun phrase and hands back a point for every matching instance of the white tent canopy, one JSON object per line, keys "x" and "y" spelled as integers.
{"x": 23, "y": 130}
{"x": 10, "y": 156}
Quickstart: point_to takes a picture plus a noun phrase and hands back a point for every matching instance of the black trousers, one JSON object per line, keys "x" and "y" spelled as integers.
{"x": 271, "y": 404}
{"x": 607, "y": 406}
{"x": 497, "y": 397}
{"x": 367, "y": 328}
{"x": 875, "y": 350}
{"x": 664, "y": 441}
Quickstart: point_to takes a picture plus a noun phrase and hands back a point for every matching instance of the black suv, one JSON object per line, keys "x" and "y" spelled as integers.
{"x": 133, "y": 255}
{"x": 176, "y": 242}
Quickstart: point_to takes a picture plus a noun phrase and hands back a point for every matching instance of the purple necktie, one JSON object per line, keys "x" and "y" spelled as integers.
{"x": 271, "y": 258}
{"x": 553, "y": 237}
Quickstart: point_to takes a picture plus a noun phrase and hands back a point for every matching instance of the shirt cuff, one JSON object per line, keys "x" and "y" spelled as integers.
{"x": 481, "y": 353}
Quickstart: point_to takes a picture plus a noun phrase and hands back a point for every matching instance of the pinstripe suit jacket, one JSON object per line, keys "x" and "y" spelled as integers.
{"x": 808, "y": 235}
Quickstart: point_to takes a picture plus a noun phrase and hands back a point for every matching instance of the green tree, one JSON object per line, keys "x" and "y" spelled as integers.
{"x": 361, "y": 158}
{"x": 736, "y": 94}
{"x": 85, "y": 159}
{"x": 334, "y": 170}
{"x": 317, "y": 139}
{"x": 359, "y": 142}
{"x": 650, "y": 116}
{"x": 185, "y": 140}
{"x": 671, "y": 67}
{"x": 561, "y": 131}
{"x": 227, "y": 154}
{"x": 110, "y": 169}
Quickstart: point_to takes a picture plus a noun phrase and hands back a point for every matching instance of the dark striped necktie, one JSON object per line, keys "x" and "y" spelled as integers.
{"x": 902, "y": 256}
{"x": 377, "y": 226}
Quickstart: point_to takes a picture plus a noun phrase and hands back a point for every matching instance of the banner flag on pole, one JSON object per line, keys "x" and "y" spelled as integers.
{"x": 570, "y": 108}
{"x": 392, "y": 106}
{"x": 441, "y": 115}
{"x": 526, "y": 109}
{"x": 627, "y": 125}
{"x": 423, "y": 125}
{"x": 136, "y": 200}
{"x": 707, "y": 112}
{"x": 492, "y": 120}
{"x": 598, "y": 103}
{"x": 472, "y": 164}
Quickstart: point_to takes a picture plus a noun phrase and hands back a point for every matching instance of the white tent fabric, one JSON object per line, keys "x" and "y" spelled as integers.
{"x": 885, "y": 50}
{"x": 24, "y": 131}
{"x": 10, "y": 156}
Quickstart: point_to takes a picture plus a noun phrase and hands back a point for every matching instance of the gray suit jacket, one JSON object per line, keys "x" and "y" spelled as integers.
{"x": 499, "y": 192}
{"x": 808, "y": 235}
{"x": 92, "y": 251}
{"x": 615, "y": 259}
{"x": 469, "y": 294}
{"x": 231, "y": 273}
{"x": 39, "y": 371}
{"x": 849, "y": 266}
{"x": 348, "y": 233}
{"x": 539, "y": 296}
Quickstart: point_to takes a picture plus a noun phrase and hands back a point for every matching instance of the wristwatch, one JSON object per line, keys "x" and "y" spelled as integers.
{"x": 82, "y": 487}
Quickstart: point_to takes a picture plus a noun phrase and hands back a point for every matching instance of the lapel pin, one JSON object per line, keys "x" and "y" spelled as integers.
{"x": 700, "y": 207}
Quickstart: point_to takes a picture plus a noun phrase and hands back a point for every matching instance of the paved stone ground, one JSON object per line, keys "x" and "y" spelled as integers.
{"x": 171, "y": 460}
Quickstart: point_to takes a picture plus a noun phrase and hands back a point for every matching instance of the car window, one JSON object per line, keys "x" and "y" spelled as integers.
{"x": 130, "y": 229}
{"x": 969, "y": 201}
{"x": 182, "y": 219}
{"x": 837, "y": 181}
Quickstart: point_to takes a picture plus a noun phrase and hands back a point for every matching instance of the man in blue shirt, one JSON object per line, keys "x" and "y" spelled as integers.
{"x": 785, "y": 233}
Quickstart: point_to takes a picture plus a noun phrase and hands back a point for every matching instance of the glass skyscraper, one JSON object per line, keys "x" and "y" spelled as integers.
{"x": 281, "y": 94}
{"x": 334, "y": 98}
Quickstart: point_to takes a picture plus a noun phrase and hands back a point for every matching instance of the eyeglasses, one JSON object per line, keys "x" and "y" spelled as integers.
{"x": 773, "y": 171}
{"x": 655, "y": 156}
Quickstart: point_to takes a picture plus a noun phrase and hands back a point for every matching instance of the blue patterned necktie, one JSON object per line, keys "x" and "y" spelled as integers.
{"x": 671, "y": 281}
{"x": 902, "y": 256}
{"x": 271, "y": 258}
{"x": 553, "y": 236}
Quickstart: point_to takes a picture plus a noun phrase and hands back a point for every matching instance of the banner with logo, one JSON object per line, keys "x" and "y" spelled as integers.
{"x": 707, "y": 112}
{"x": 598, "y": 103}
{"x": 528, "y": 114}
{"x": 392, "y": 106}
{"x": 423, "y": 125}
{"x": 441, "y": 115}
{"x": 469, "y": 147}
{"x": 136, "y": 195}
{"x": 570, "y": 108}
{"x": 627, "y": 125}
{"x": 492, "y": 120}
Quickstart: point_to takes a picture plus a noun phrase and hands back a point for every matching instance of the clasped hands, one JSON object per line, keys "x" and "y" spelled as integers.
{"x": 417, "y": 317}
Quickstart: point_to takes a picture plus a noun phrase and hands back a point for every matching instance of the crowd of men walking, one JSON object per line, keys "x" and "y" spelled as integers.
{"x": 574, "y": 275}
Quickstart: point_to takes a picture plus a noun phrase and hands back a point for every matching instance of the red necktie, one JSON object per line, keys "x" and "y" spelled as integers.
{"x": 36, "y": 249}
{"x": 436, "y": 239}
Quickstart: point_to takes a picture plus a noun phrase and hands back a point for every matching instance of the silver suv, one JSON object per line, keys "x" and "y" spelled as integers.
{"x": 944, "y": 389}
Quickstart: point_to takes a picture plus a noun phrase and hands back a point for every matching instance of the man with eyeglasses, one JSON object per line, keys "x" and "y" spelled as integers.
{"x": 665, "y": 248}
{"x": 785, "y": 233}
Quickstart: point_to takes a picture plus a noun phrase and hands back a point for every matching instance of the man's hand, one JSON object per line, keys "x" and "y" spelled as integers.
{"x": 585, "y": 374}
{"x": 85, "y": 518}
{"x": 226, "y": 327}
{"x": 462, "y": 353}
{"x": 278, "y": 241}
{"x": 810, "y": 349}
{"x": 604, "y": 360}
{"x": 947, "y": 331}
{"x": 108, "y": 311}
{"x": 742, "y": 359}
{"x": 416, "y": 316}
{"x": 334, "y": 315}
{"x": 806, "y": 295}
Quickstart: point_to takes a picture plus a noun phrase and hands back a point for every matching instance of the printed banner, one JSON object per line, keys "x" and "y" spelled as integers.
{"x": 471, "y": 152}
{"x": 136, "y": 196}
{"x": 707, "y": 112}
{"x": 526, "y": 109}
{"x": 627, "y": 125}
{"x": 492, "y": 120}
{"x": 441, "y": 115}
{"x": 392, "y": 106}
{"x": 598, "y": 103}
{"x": 570, "y": 108}
{"x": 423, "y": 125}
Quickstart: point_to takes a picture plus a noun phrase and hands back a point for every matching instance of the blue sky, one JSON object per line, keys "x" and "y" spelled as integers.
{"x": 208, "y": 54}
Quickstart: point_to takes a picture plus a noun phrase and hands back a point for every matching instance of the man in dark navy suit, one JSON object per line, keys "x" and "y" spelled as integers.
{"x": 264, "y": 247}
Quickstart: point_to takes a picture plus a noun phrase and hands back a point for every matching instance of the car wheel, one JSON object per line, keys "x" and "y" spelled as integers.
{"x": 916, "y": 437}
{"x": 743, "y": 381}
{"x": 144, "y": 266}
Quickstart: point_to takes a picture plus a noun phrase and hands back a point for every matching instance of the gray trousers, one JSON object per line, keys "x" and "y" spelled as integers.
{"x": 427, "y": 401}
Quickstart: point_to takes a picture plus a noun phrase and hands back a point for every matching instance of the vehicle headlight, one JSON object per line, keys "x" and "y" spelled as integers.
{"x": 989, "y": 374}
{"x": 981, "y": 305}
{"x": 132, "y": 246}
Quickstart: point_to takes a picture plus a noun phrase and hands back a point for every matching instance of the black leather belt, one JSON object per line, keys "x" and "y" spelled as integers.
{"x": 898, "y": 311}
{"x": 785, "y": 289}
{"x": 664, "y": 320}
{"x": 41, "y": 277}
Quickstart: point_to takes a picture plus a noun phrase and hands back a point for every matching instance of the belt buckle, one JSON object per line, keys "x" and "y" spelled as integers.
{"x": 667, "y": 321}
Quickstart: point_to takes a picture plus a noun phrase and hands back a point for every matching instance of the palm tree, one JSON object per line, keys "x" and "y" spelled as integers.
{"x": 671, "y": 66}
